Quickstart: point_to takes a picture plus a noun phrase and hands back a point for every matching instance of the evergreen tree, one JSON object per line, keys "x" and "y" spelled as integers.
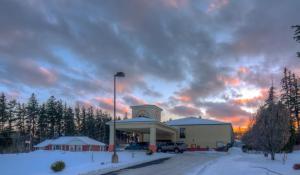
{"x": 59, "y": 118}
{"x": 77, "y": 119}
{"x": 51, "y": 119}
{"x": 51, "y": 116}
{"x": 289, "y": 98}
{"x": 102, "y": 129}
{"x": 297, "y": 35}
{"x": 3, "y": 112}
{"x": 42, "y": 123}
{"x": 83, "y": 127}
{"x": 69, "y": 126}
{"x": 20, "y": 118}
{"x": 11, "y": 115}
{"x": 32, "y": 111}
{"x": 90, "y": 123}
{"x": 20, "y": 127}
{"x": 98, "y": 125}
{"x": 271, "y": 96}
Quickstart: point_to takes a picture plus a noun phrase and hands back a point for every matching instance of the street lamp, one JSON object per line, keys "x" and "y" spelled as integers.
{"x": 115, "y": 158}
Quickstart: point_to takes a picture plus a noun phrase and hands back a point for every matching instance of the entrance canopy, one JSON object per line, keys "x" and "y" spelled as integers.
{"x": 148, "y": 127}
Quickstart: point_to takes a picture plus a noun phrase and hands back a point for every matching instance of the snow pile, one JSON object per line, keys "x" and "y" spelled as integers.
{"x": 38, "y": 162}
{"x": 239, "y": 163}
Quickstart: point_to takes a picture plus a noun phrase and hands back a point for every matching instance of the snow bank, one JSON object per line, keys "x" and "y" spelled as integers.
{"x": 38, "y": 162}
{"x": 239, "y": 163}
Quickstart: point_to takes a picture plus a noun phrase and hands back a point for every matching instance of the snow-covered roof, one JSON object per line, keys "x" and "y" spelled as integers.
{"x": 65, "y": 140}
{"x": 135, "y": 120}
{"x": 44, "y": 143}
{"x": 194, "y": 121}
{"x": 70, "y": 140}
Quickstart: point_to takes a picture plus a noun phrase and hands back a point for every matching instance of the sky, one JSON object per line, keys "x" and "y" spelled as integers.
{"x": 209, "y": 58}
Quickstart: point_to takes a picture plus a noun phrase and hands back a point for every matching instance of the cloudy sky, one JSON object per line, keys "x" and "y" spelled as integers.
{"x": 214, "y": 58}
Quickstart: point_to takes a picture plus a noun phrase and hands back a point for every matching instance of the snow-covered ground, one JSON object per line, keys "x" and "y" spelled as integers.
{"x": 238, "y": 163}
{"x": 38, "y": 162}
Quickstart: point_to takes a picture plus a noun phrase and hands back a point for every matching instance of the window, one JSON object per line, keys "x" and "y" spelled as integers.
{"x": 182, "y": 133}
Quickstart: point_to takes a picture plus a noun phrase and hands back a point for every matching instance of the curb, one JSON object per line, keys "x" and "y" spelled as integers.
{"x": 112, "y": 169}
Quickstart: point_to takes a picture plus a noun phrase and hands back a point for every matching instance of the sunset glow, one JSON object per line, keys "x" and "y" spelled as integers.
{"x": 212, "y": 58}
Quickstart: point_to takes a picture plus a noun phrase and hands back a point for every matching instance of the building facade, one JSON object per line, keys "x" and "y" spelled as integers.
{"x": 202, "y": 134}
{"x": 71, "y": 143}
{"x": 197, "y": 133}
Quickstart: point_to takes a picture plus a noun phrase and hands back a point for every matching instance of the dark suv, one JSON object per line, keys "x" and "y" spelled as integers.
{"x": 173, "y": 147}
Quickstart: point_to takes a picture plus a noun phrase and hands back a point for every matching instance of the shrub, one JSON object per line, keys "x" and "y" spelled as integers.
{"x": 296, "y": 166}
{"x": 58, "y": 166}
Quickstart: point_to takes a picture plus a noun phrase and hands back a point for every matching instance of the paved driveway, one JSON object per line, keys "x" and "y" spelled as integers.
{"x": 180, "y": 164}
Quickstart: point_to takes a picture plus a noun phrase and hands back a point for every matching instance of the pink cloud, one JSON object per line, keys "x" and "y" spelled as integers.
{"x": 107, "y": 104}
{"x": 133, "y": 100}
{"x": 28, "y": 71}
{"x": 176, "y": 3}
{"x": 49, "y": 76}
{"x": 217, "y": 4}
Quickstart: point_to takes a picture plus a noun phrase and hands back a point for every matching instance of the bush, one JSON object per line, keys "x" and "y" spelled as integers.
{"x": 149, "y": 152}
{"x": 58, "y": 166}
{"x": 296, "y": 166}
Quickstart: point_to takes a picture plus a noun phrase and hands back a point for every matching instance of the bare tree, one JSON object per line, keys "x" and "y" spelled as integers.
{"x": 272, "y": 128}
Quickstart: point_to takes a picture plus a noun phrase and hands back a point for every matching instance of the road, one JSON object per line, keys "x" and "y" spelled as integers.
{"x": 180, "y": 164}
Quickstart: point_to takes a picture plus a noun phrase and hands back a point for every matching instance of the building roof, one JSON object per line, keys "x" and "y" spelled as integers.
{"x": 146, "y": 105}
{"x": 194, "y": 121}
{"x": 44, "y": 143}
{"x": 68, "y": 140}
{"x": 141, "y": 120}
{"x": 135, "y": 120}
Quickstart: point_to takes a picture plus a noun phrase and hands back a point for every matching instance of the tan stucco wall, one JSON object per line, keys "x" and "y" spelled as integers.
{"x": 146, "y": 111}
{"x": 206, "y": 135}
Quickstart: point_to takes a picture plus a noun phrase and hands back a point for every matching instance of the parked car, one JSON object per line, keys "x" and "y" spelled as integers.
{"x": 137, "y": 146}
{"x": 222, "y": 148}
{"x": 173, "y": 147}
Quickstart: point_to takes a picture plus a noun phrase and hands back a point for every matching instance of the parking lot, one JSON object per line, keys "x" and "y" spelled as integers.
{"x": 186, "y": 163}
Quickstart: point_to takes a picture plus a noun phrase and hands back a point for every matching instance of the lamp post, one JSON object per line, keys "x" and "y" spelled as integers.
{"x": 115, "y": 158}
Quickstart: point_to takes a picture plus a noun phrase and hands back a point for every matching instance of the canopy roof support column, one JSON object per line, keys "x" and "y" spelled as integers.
{"x": 152, "y": 145}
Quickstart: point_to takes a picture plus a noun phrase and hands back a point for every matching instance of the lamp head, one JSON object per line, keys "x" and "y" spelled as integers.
{"x": 120, "y": 74}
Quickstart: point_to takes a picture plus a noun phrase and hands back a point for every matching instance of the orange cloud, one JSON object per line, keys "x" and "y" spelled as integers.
{"x": 247, "y": 101}
{"x": 237, "y": 121}
{"x": 243, "y": 70}
{"x": 184, "y": 98}
{"x": 231, "y": 81}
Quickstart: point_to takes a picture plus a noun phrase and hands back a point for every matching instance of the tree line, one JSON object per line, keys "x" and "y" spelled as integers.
{"x": 276, "y": 125}
{"x": 297, "y": 35}
{"x": 24, "y": 124}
